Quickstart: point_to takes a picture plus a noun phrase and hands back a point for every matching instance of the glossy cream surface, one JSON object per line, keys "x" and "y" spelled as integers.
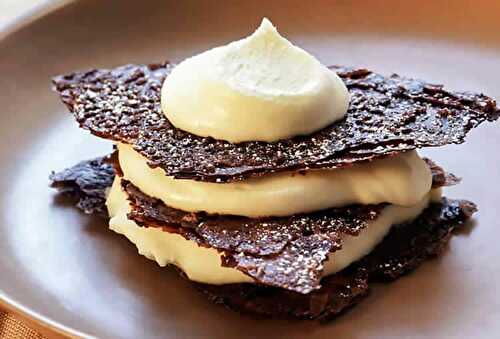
{"x": 260, "y": 88}
{"x": 403, "y": 180}
{"x": 204, "y": 264}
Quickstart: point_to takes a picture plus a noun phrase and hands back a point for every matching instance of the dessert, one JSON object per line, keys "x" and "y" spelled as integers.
{"x": 276, "y": 185}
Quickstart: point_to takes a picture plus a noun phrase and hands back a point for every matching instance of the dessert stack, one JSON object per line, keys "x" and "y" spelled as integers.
{"x": 273, "y": 183}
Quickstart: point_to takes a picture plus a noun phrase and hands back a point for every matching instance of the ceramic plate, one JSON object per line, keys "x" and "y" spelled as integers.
{"x": 61, "y": 267}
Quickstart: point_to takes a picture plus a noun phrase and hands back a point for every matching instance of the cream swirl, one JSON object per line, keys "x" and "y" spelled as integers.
{"x": 261, "y": 88}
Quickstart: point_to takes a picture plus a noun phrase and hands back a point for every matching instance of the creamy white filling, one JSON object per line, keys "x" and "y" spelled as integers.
{"x": 200, "y": 264}
{"x": 403, "y": 180}
{"x": 204, "y": 264}
{"x": 258, "y": 88}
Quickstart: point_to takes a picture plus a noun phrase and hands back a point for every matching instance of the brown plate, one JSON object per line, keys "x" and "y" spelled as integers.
{"x": 61, "y": 266}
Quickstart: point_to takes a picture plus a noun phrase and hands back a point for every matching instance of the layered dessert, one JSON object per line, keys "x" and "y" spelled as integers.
{"x": 273, "y": 183}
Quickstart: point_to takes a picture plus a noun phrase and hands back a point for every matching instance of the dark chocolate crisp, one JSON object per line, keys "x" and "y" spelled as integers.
{"x": 88, "y": 182}
{"x": 402, "y": 250}
{"x": 386, "y": 115}
{"x": 287, "y": 252}
{"x": 338, "y": 292}
{"x": 440, "y": 177}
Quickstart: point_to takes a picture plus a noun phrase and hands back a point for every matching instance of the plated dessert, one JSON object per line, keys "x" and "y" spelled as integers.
{"x": 278, "y": 186}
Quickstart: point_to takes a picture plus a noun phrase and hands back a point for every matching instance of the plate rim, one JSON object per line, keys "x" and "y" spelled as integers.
{"x": 32, "y": 14}
{"x": 46, "y": 323}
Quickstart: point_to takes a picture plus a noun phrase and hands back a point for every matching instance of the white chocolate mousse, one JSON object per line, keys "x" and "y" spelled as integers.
{"x": 403, "y": 179}
{"x": 261, "y": 88}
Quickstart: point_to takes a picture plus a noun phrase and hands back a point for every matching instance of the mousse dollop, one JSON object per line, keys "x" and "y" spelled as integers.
{"x": 260, "y": 88}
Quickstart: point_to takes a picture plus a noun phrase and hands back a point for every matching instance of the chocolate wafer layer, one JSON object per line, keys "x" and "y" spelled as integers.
{"x": 386, "y": 115}
{"x": 87, "y": 182}
{"x": 402, "y": 250}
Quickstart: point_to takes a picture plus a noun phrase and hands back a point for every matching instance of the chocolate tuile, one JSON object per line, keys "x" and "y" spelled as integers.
{"x": 387, "y": 115}
{"x": 405, "y": 248}
{"x": 87, "y": 182}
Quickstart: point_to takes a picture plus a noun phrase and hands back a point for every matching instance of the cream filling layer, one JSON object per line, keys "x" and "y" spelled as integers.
{"x": 204, "y": 264}
{"x": 403, "y": 179}
{"x": 259, "y": 88}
